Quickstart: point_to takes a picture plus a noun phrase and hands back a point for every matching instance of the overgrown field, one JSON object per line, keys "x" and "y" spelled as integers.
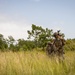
{"x": 35, "y": 63}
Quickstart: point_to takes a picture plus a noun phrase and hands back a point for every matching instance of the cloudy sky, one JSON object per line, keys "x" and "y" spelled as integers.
{"x": 17, "y": 16}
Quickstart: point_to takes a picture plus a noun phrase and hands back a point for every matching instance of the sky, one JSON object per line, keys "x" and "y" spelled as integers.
{"x": 17, "y": 16}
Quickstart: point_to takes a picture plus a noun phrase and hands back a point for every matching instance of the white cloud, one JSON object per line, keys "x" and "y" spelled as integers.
{"x": 16, "y": 28}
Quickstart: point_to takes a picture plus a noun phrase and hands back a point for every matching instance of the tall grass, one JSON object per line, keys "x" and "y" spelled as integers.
{"x": 35, "y": 63}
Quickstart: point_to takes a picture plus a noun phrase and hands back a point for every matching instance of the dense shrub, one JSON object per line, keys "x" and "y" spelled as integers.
{"x": 70, "y": 45}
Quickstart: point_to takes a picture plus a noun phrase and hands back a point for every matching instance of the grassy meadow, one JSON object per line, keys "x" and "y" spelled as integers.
{"x": 35, "y": 63}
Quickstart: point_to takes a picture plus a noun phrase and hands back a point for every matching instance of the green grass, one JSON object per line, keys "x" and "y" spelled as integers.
{"x": 35, "y": 63}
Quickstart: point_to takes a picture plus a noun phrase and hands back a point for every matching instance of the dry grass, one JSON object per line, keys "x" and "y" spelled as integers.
{"x": 35, "y": 63}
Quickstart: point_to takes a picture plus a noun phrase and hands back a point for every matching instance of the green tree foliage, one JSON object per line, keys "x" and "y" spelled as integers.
{"x": 3, "y": 44}
{"x": 45, "y": 37}
{"x": 40, "y": 35}
{"x": 25, "y": 45}
{"x": 70, "y": 45}
{"x": 10, "y": 42}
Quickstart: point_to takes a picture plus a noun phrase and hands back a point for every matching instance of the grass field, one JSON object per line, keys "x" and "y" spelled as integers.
{"x": 35, "y": 63}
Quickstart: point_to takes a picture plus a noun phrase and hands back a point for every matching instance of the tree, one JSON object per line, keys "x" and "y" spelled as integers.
{"x": 10, "y": 42}
{"x": 45, "y": 37}
{"x": 25, "y": 44}
{"x": 40, "y": 35}
{"x": 3, "y": 44}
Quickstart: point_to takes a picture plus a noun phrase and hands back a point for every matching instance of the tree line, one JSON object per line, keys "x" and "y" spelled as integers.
{"x": 37, "y": 38}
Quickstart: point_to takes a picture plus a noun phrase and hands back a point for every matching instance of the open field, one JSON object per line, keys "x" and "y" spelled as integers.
{"x": 35, "y": 63}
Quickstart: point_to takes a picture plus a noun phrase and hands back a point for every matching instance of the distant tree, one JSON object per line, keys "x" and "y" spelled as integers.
{"x": 10, "y": 42}
{"x": 3, "y": 44}
{"x": 25, "y": 44}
